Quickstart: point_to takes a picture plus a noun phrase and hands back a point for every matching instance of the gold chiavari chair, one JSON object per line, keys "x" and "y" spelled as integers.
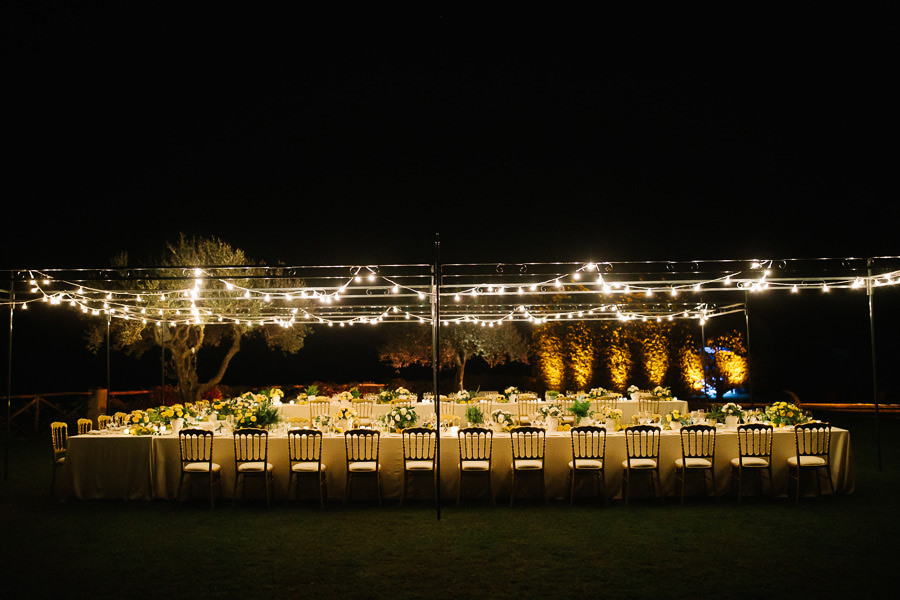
{"x": 754, "y": 454}
{"x": 419, "y": 445}
{"x": 528, "y": 446}
{"x": 813, "y": 453}
{"x": 588, "y": 456}
{"x": 319, "y": 407}
{"x": 299, "y": 423}
{"x": 59, "y": 444}
{"x": 475, "y": 450}
{"x": 364, "y": 411}
{"x": 196, "y": 459}
{"x": 362, "y": 446}
{"x": 526, "y": 407}
{"x": 251, "y": 458}
{"x": 84, "y": 426}
{"x": 119, "y": 418}
{"x": 305, "y": 456}
{"x": 698, "y": 453}
{"x": 104, "y": 421}
{"x": 642, "y": 456}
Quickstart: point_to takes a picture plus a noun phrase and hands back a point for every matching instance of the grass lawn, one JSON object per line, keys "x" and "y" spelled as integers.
{"x": 823, "y": 547}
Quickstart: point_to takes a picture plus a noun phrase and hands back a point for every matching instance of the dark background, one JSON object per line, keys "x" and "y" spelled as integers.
{"x": 355, "y": 137}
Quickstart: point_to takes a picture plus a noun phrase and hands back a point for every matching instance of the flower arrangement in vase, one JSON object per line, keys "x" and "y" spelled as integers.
{"x": 503, "y": 419}
{"x": 399, "y": 418}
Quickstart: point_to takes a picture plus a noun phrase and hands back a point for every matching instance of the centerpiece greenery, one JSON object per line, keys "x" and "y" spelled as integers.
{"x": 386, "y": 396}
{"x": 260, "y": 415}
{"x": 474, "y": 415}
{"x": 581, "y": 409}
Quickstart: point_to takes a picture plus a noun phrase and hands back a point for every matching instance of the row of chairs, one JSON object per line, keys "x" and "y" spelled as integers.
{"x": 475, "y": 453}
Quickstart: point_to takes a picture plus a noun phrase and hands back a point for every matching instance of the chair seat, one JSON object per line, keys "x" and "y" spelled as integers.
{"x": 587, "y": 464}
{"x": 307, "y": 467}
{"x": 363, "y": 466}
{"x": 60, "y": 460}
{"x": 750, "y": 461}
{"x": 693, "y": 463}
{"x": 419, "y": 465}
{"x": 640, "y": 463}
{"x": 254, "y": 467}
{"x": 527, "y": 464}
{"x": 201, "y": 467}
{"x": 476, "y": 465}
{"x": 807, "y": 461}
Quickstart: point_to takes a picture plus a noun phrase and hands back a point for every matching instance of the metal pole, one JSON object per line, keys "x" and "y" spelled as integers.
{"x": 703, "y": 358}
{"x": 12, "y": 298}
{"x": 870, "y": 294}
{"x": 108, "y": 389}
{"x": 749, "y": 370}
{"x": 435, "y": 341}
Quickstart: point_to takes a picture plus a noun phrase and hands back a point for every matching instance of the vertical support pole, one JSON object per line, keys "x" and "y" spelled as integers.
{"x": 749, "y": 363}
{"x": 12, "y": 306}
{"x": 870, "y": 294}
{"x": 703, "y": 359}
{"x": 435, "y": 354}
{"x": 108, "y": 389}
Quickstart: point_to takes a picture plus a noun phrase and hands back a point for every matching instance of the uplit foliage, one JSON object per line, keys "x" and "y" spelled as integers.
{"x": 654, "y": 345}
{"x": 184, "y": 340}
{"x": 730, "y": 357}
{"x": 580, "y": 353}
{"x": 411, "y": 345}
{"x": 547, "y": 345}
{"x": 617, "y": 357}
{"x": 690, "y": 364}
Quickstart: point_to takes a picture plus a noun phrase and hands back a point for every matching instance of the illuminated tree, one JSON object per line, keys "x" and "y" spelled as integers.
{"x": 185, "y": 337}
{"x": 729, "y": 368}
{"x": 411, "y": 345}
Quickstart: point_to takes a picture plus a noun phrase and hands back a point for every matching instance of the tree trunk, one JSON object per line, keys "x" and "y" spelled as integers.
{"x": 460, "y": 371}
{"x": 223, "y": 366}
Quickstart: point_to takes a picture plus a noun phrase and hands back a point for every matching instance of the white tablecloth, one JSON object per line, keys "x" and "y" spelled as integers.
{"x": 129, "y": 467}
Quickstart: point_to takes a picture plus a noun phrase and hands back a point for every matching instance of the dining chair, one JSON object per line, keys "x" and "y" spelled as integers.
{"x": 565, "y": 403}
{"x": 754, "y": 454}
{"x": 641, "y": 456}
{"x": 364, "y": 411}
{"x": 588, "y": 455}
{"x": 449, "y": 420}
{"x": 419, "y": 455}
{"x": 119, "y": 417}
{"x": 648, "y": 405}
{"x": 812, "y": 442}
{"x": 103, "y": 421}
{"x": 528, "y": 447}
{"x": 475, "y": 450}
{"x": 319, "y": 407}
{"x": 305, "y": 460}
{"x": 698, "y": 454}
{"x": 251, "y": 458}
{"x": 526, "y": 407}
{"x": 407, "y": 402}
{"x": 59, "y": 444}
{"x": 362, "y": 446}
{"x": 197, "y": 459}
{"x": 84, "y": 426}
{"x": 298, "y": 422}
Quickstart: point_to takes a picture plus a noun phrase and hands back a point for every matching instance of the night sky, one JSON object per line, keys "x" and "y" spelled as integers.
{"x": 310, "y": 138}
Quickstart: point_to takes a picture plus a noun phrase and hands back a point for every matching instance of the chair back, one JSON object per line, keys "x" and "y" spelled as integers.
{"x": 84, "y": 425}
{"x": 363, "y": 408}
{"x": 251, "y": 445}
{"x": 755, "y": 441}
{"x": 528, "y": 443}
{"x": 448, "y": 420}
{"x": 475, "y": 443}
{"x": 419, "y": 444}
{"x": 103, "y": 421}
{"x": 813, "y": 439}
{"x": 698, "y": 441}
{"x": 642, "y": 441}
{"x": 196, "y": 446}
{"x": 407, "y": 402}
{"x": 362, "y": 445}
{"x": 305, "y": 446}
{"x": 526, "y": 407}
{"x": 319, "y": 407}
{"x": 298, "y": 422}
{"x": 59, "y": 439}
{"x": 588, "y": 443}
{"x": 648, "y": 405}
{"x": 119, "y": 418}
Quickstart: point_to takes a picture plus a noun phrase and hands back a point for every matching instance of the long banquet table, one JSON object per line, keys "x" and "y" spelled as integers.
{"x": 426, "y": 409}
{"x": 110, "y": 465}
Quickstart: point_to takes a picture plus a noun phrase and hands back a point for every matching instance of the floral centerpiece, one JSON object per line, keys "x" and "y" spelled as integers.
{"x": 550, "y": 411}
{"x": 386, "y": 396}
{"x": 782, "y": 414}
{"x": 474, "y": 415}
{"x": 732, "y": 410}
{"x": 503, "y": 419}
{"x": 607, "y": 414}
{"x": 597, "y": 393}
{"x": 399, "y": 418}
{"x": 464, "y": 397}
{"x": 632, "y": 389}
{"x": 344, "y": 413}
{"x": 345, "y": 397}
{"x": 322, "y": 421}
{"x": 661, "y": 393}
{"x": 675, "y": 420}
{"x": 262, "y": 415}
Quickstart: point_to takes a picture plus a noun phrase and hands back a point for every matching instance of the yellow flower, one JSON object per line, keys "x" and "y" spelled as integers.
{"x": 253, "y": 418}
